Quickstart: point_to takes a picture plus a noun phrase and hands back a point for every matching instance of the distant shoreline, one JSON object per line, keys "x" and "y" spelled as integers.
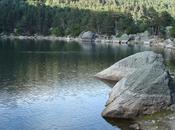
{"x": 65, "y": 38}
{"x": 165, "y": 44}
{"x": 39, "y": 37}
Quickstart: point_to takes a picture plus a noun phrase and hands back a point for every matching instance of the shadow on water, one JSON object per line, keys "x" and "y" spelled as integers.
{"x": 123, "y": 124}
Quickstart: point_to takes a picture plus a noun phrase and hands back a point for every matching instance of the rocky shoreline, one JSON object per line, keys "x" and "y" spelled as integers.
{"x": 89, "y": 37}
{"x": 39, "y": 37}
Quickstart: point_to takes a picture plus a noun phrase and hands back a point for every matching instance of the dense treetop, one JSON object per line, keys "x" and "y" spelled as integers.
{"x": 71, "y": 17}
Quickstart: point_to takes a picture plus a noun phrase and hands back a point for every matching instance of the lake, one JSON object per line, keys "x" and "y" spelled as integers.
{"x": 50, "y": 85}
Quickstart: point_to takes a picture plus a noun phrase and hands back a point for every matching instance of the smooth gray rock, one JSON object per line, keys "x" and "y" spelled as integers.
{"x": 144, "y": 87}
{"x": 127, "y": 66}
{"x": 87, "y": 36}
{"x": 134, "y": 127}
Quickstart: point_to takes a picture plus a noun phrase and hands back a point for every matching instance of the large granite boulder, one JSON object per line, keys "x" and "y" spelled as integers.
{"x": 124, "y": 38}
{"x": 87, "y": 36}
{"x": 144, "y": 86}
{"x": 127, "y": 66}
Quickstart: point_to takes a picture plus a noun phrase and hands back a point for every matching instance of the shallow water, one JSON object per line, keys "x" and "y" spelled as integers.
{"x": 50, "y": 86}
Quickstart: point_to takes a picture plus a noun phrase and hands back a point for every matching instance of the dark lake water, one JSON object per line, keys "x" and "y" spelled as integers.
{"x": 50, "y": 86}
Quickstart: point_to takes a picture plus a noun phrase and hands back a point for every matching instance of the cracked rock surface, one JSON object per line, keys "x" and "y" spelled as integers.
{"x": 143, "y": 86}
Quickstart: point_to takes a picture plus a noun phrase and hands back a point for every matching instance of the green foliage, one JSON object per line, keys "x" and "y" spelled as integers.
{"x": 71, "y": 17}
{"x": 172, "y": 32}
{"x": 57, "y": 31}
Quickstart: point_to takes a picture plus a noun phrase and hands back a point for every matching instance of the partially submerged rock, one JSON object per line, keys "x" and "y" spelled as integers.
{"x": 143, "y": 86}
{"x": 124, "y": 39}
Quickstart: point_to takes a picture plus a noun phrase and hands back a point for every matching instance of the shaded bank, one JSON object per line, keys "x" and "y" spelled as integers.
{"x": 22, "y": 18}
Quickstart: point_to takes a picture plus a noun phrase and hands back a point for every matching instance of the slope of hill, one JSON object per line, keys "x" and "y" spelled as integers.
{"x": 70, "y": 17}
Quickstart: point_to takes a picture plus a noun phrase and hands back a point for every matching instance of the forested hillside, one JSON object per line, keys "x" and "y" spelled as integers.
{"x": 71, "y": 17}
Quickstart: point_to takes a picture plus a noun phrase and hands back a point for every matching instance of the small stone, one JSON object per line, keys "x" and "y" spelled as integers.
{"x": 172, "y": 108}
{"x": 153, "y": 121}
{"x": 134, "y": 127}
{"x": 171, "y": 118}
